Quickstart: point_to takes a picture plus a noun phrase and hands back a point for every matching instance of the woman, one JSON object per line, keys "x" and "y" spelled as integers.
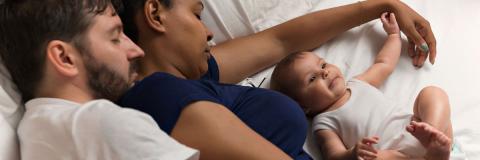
{"x": 188, "y": 91}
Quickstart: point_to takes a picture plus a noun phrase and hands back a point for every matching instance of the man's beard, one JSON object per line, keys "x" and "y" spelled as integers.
{"x": 105, "y": 82}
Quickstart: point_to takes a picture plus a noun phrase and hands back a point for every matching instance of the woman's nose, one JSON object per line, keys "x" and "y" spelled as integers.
{"x": 209, "y": 33}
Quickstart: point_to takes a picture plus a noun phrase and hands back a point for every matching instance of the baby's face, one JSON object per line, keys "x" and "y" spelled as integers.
{"x": 320, "y": 84}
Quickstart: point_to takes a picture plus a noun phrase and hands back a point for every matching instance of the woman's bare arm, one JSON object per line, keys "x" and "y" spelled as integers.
{"x": 245, "y": 56}
{"x": 219, "y": 134}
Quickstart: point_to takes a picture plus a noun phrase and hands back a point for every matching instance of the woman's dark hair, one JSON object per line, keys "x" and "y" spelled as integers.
{"x": 131, "y": 8}
{"x": 27, "y": 26}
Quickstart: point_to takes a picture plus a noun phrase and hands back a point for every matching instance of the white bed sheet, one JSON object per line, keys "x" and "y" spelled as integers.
{"x": 456, "y": 25}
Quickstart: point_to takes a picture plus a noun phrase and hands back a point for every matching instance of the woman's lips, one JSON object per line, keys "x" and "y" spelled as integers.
{"x": 207, "y": 52}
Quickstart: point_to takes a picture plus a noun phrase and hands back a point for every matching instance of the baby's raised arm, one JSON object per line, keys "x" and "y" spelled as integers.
{"x": 387, "y": 58}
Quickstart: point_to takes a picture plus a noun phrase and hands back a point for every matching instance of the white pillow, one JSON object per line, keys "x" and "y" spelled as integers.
{"x": 228, "y": 19}
{"x": 10, "y": 114}
{"x": 10, "y": 101}
{"x": 9, "y": 148}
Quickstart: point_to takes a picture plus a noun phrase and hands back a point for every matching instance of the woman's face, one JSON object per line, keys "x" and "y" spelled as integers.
{"x": 187, "y": 36}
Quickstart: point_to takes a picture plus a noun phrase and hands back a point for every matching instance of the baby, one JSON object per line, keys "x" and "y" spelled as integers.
{"x": 354, "y": 120}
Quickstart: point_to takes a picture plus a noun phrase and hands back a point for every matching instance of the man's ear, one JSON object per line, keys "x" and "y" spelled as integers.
{"x": 63, "y": 58}
{"x": 155, "y": 12}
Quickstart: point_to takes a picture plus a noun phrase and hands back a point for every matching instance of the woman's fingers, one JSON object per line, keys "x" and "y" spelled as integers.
{"x": 425, "y": 41}
{"x": 418, "y": 30}
{"x": 432, "y": 44}
{"x": 414, "y": 35}
{"x": 421, "y": 57}
{"x": 418, "y": 43}
{"x": 411, "y": 48}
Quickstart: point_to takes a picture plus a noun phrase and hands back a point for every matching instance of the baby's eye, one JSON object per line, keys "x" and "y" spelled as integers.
{"x": 324, "y": 65}
{"x": 313, "y": 78}
{"x": 198, "y": 16}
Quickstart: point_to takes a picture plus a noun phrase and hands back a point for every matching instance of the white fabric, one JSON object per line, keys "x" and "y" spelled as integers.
{"x": 379, "y": 116}
{"x": 8, "y": 141}
{"x": 455, "y": 24}
{"x": 58, "y": 129}
{"x": 10, "y": 114}
{"x": 229, "y": 19}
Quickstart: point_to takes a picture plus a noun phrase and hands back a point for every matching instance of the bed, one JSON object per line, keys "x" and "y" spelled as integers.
{"x": 455, "y": 23}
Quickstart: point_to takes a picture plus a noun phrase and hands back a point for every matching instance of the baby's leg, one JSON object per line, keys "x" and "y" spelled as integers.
{"x": 432, "y": 107}
{"x": 435, "y": 130}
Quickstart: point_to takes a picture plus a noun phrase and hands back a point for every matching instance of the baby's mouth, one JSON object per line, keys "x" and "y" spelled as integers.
{"x": 332, "y": 83}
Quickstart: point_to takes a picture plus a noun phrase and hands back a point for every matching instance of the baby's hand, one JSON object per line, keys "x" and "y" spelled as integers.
{"x": 364, "y": 150}
{"x": 390, "y": 23}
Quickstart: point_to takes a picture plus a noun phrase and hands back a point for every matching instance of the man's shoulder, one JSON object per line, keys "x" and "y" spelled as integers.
{"x": 120, "y": 130}
{"x": 102, "y": 106}
{"x": 109, "y": 112}
{"x": 94, "y": 113}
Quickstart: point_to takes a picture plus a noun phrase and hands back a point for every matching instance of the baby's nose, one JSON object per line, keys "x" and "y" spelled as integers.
{"x": 325, "y": 74}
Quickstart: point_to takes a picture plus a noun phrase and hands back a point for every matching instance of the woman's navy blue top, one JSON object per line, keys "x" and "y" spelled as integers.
{"x": 273, "y": 115}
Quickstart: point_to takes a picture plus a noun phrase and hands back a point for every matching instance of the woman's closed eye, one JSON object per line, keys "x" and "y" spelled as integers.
{"x": 198, "y": 16}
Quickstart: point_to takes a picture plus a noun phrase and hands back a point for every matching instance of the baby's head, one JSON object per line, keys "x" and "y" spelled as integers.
{"x": 310, "y": 81}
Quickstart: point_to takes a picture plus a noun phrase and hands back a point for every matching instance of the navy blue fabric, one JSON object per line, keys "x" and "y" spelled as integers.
{"x": 213, "y": 73}
{"x": 274, "y": 116}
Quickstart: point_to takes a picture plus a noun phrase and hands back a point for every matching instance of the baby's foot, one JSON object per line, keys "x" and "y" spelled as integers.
{"x": 436, "y": 143}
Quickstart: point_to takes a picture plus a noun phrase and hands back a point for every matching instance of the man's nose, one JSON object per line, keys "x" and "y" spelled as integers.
{"x": 134, "y": 51}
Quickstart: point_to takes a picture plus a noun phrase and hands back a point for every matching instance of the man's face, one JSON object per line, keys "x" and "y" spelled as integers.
{"x": 110, "y": 57}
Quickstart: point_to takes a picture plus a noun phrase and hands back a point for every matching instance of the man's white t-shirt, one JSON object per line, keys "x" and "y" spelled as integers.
{"x": 54, "y": 129}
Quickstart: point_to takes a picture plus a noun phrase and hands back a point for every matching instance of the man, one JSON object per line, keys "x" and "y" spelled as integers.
{"x": 64, "y": 54}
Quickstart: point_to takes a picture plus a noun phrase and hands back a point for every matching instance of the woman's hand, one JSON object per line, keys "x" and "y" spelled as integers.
{"x": 418, "y": 31}
{"x": 364, "y": 150}
{"x": 390, "y": 23}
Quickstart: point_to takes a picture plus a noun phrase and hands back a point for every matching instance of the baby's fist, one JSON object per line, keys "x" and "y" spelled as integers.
{"x": 390, "y": 24}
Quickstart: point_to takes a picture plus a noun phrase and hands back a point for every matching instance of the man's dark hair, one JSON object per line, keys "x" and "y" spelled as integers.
{"x": 131, "y": 8}
{"x": 27, "y": 26}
